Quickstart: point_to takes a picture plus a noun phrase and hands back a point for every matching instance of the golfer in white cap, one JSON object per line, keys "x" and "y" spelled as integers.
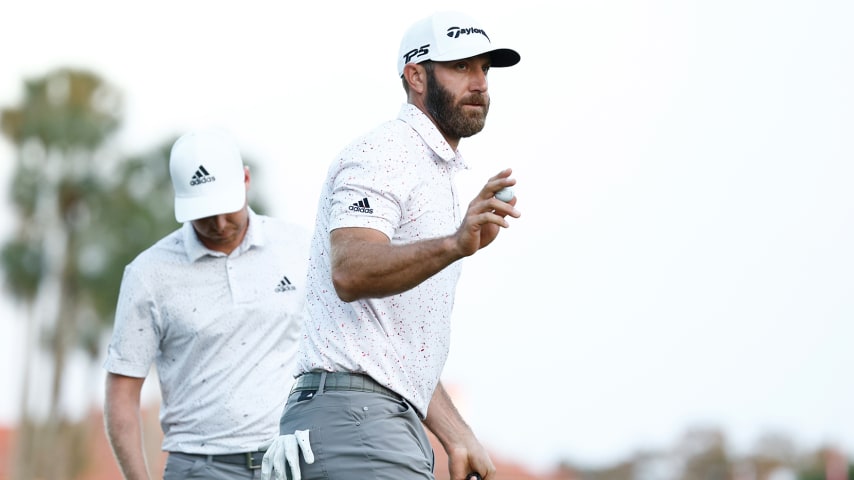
{"x": 384, "y": 266}
{"x": 217, "y": 307}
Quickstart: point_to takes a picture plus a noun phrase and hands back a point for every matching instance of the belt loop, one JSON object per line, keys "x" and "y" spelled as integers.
{"x": 322, "y": 385}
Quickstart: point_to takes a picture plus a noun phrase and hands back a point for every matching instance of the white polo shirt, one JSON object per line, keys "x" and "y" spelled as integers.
{"x": 398, "y": 179}
{"x": 222, "y": 331}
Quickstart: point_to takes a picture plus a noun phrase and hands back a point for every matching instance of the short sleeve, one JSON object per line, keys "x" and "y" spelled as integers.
{"x": 370, "y": 192}
{"x": 135, "y": 339}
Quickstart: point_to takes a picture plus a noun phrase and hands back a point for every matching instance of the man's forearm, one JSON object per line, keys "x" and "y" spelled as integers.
{"x": 366, "y": 265}
{"x": 125, "y": 435}
{"x": 466, "y": 456}
{"x": 444, "y": 420}
{"x": 123, "y": 424}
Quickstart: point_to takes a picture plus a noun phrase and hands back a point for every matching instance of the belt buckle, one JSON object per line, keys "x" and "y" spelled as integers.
{"x": 250, "y": 462}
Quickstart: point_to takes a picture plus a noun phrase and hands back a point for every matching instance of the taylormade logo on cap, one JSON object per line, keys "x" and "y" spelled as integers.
{"x": 447, "y": 36}
{"x": 455, "y": 32}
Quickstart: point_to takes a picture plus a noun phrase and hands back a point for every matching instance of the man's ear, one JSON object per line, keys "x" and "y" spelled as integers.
{"x": 416, "y": 77}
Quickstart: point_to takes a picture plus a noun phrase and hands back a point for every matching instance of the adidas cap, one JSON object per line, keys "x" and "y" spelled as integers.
{"x": 207, "y": 175}
{"x": 446, "y": 36}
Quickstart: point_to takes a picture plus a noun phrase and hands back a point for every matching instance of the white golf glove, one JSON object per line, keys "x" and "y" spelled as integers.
{"x": 284, "y": 450}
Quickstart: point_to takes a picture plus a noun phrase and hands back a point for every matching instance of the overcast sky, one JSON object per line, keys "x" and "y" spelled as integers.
{"x": 684, "y": 255}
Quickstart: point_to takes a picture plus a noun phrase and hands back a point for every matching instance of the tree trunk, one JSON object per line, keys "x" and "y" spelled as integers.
{"x": 22, "y": 467}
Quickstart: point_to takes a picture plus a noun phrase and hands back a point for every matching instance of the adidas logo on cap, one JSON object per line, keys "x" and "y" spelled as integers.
{"x": 201, "y": 176}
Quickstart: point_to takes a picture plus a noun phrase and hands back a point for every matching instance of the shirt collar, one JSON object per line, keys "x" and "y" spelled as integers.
{"x": 196, "y": 249}
{"x": 430, "y": 134}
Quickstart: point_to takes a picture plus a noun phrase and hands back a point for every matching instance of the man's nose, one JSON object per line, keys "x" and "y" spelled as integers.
{"x": 220, "y": 222}
{"x": 479, "y": 82}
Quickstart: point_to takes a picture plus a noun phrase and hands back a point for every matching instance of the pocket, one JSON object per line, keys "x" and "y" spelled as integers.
{"x": 393, "y": 427}
{"x": 383, "y": 408}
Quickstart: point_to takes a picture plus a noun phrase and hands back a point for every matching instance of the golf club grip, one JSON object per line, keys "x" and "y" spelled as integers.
{"x": 474, "y": 476}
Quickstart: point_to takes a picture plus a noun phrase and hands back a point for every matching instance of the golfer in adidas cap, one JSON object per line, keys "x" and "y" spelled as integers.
{"x": 385, "y": 260}
{"x": 216, "y": 306}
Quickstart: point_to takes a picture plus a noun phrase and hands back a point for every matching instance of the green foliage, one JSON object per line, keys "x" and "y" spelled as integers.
{"x": 83, "y": 211}
{"x": 105, "y": 209}
{"x": 23, "y": 262}
{"x": 128, "y": 217}
{"x": 66, "y": 108}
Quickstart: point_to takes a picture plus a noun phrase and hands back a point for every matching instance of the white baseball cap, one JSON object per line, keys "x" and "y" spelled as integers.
{"x": 446, "y": 36}
{"x": 207, "y": 175}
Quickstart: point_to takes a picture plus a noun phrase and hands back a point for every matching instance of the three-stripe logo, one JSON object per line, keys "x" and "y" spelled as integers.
{"x": 362, "y": 206}
{"x": 285, "y": 285}
{"x": 201, "y": 176}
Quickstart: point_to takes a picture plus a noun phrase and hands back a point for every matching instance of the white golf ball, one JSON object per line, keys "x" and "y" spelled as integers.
{"x": 505, "y": 194}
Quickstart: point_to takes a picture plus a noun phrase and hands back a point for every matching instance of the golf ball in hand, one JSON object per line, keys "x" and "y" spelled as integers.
{"x": 505, "y": 194}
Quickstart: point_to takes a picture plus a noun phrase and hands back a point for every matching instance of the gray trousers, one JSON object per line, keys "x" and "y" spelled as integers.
{"x": 359, "y": 436}
{"x": 185, "y": 467}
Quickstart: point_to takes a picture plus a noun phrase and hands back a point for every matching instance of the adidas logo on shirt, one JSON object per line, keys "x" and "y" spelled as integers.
{"x": 285, "y": 285}
{"x": 201, "y": 176}
{"x": 362, "y": 206}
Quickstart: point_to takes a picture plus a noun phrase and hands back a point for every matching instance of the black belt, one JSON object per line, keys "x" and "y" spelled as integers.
{"x": 354, "y": 382}
{"x": 251, "y": 460}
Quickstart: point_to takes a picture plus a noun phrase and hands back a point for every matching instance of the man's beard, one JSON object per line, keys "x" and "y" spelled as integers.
{"x": 450, "y": 117}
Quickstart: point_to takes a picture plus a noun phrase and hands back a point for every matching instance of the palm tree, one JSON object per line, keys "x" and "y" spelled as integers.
{"x": 83, "y": 212}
